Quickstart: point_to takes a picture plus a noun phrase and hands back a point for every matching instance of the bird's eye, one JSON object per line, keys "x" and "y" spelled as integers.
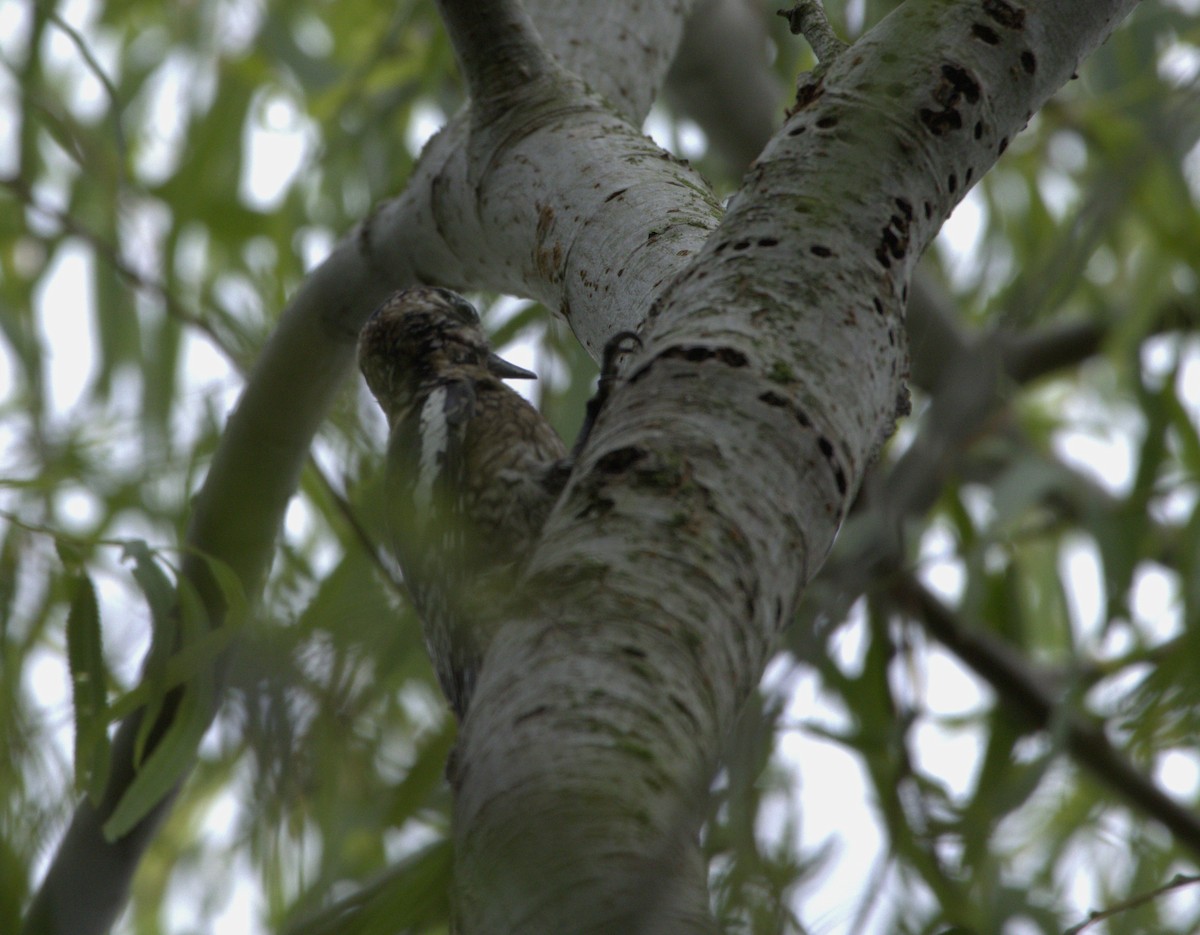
{"x": 464, "y": 311}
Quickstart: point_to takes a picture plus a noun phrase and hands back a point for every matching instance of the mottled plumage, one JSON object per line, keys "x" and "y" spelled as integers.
{"x": 472, "y": 471}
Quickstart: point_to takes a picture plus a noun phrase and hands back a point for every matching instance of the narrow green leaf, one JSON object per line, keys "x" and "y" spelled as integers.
{"x": 89, "y": 689}
{"x": 232, "y": 589}
{"x": 160, "y": 596}
{"x": 167, "y": 763}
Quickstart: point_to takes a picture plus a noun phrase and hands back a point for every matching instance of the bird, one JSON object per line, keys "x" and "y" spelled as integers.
{"x": 472, "y": 471}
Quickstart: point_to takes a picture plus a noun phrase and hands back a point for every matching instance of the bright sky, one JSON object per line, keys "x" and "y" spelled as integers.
{"x": 830, "y": 785}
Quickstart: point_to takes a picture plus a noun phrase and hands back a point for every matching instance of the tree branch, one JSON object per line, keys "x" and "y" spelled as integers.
{"x": 1037, "y": 700}
{"x": 719, "y": 470}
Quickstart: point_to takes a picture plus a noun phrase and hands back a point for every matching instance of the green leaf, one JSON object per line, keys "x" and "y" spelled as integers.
{"x": 89, "y": 689}
{"x": 168, "y": 762}
{"x": 405, "y": 897}
{"x": 160, "y": 596}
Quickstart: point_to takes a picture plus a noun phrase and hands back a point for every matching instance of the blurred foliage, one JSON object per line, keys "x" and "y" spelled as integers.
{"x": 150, "y": 227}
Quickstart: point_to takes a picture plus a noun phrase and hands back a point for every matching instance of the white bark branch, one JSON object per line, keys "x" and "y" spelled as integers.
{"x": 717, "y": 475}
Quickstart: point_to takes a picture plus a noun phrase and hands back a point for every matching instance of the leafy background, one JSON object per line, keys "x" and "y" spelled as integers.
{"x": 167, "y": 174}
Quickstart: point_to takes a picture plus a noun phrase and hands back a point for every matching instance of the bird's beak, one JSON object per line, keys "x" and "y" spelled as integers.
{"x": 498, "y": 366}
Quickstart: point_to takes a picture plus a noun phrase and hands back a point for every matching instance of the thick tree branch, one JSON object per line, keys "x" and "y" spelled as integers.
{"x": 716, "y": 477}
{"x": 498, "y": 49}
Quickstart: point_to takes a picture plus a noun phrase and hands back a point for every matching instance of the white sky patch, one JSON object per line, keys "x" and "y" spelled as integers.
{"x": 48, "y": 679}
{"x": 939, "y": 568}
{"x": 849, "y": 643}
{"x": 85, "y": 93}
{"x": 276, "y": 141}
{"x": 178, "y": 87}
{"x": 66, "y": 319}
{"x": 1156, "y": 602}
{"x": 1178, "y": 771}
{"x": 657, "y": 126}
{"x": 960, "y": 238}
{"x": 426, "y": 120}
{"x": 1082, "y": 575}
{"x": 314, "y": 245}
{"x": 679, "y": 136}
{"x": 833, "y": 794}
{"x": 691, "y": 141}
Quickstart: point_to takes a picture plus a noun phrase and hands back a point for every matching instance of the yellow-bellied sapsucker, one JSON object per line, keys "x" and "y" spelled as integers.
{"x": 472, "y": 471}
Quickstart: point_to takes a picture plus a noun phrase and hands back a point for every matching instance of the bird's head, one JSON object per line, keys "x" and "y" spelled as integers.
{"x": 419, "y": 337}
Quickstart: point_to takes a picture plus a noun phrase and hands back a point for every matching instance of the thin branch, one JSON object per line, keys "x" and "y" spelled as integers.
{"x": 807, "y": 18}
{"x": 350, "y": 515}
{"x": 102, "y": 77}
{"x": 1029, "y": 693}
{"x": 1178, "y": 881}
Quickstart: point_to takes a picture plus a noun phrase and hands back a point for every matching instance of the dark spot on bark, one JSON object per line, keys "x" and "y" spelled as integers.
{"x": 940, "y": 122}
{"x": 1028, "y": 62}
{"x": 928, "y": 211}
{"x": 895, "y": 89}
{"x": 767, "y": 242}
{"x": 968, "y": 176}
{"x": 634, "y": 652}
{"x": 807, "y": 93}
{"x": 878, "y": 305}
{"x": 697, "y": 353}
{"x": 839, "y": 476}
{"x": 1007, "y": 15}
{"x": 818, "y": 250}
{"x": 888, "y": 58}
{"x": 741, "y": 245}
{"x": 894, "y": 240}
{"x": 904, "y": 293}
{"x": 617, "y": 194}
{"x": 957, "y": 82}
{"x": 905, "y": 207}
{"x": 778, "y": 400}
{"x": 827, "y": 123}
{"x": 978, "y": 129}
{"x": 796, "y": 131}
{"x": 985, "y": 34}
{"x": 620, "y": 460}
{"x": 678, "y": 705}
{"x": 531, "y": 713}
{"x": 596, "y": 506}
{"x": 952, "y": 182}
{"x": 1003, "y": 145}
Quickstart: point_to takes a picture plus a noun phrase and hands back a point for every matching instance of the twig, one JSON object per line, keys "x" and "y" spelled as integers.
{"x": 81, "y": 44}
{"x": 1178, "y": 881}
{"x": 1029, "y": 693}
{"x": 113, "y": 256}
{"x": 807, "y": 18}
